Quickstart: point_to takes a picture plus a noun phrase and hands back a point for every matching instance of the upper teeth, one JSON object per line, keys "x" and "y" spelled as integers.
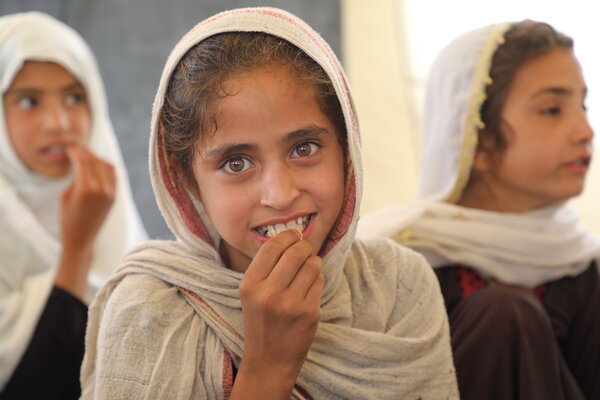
{"x": 273, "y": 230}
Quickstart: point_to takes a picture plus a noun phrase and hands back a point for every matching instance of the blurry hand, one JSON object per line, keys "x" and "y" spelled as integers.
{"x": 84, "y": 207}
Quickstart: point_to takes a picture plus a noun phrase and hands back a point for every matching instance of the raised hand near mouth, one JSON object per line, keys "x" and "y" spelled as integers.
{"x": 84, "y": 207}
{"x": 280, "y": 295}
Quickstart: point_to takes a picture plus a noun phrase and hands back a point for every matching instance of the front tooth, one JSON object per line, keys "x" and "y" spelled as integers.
{"x": 271, "y": 231}
{"x": 279, "y": 228}
{"x": 291, "y": 225}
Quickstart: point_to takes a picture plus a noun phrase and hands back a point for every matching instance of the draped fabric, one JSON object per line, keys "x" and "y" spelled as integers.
{"x": 524, "y": 249}
{"x": 170, "y": 320}
{"x": 30, "y": 203}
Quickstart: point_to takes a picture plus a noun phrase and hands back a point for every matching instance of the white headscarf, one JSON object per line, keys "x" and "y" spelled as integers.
{"x": 30, "y": 203}
{"x": 524, "y": 249}
{"x": 383, "y": 330}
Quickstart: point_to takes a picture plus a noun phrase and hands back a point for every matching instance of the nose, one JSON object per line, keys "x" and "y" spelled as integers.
{"x": 584, "y": 132}
{"x": 55, "y": 118}
{"x": 279, "y": 186}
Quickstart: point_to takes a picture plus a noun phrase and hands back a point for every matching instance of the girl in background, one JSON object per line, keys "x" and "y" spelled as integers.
{"x": 66, "y": 211}
{"x": 507, "y": 143}
{"x": 266, "y": 294}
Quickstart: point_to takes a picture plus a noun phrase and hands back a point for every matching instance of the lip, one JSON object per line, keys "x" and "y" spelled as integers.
{"x": 283, "y": 220}
{"x": 55, "y": 155}
{"x": 580, "y": 164}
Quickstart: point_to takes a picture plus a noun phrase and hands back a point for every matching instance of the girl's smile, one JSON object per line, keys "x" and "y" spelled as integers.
{"x": 273, "y": 163}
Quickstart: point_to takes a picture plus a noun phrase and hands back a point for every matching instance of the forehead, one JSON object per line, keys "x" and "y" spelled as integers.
{"x": 42, "y": 74}
{"x": 263, "y": 100}
{"x": 556, "y": 68}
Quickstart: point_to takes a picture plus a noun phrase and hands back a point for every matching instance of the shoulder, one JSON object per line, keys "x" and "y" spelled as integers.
{"x": 140, "y": 298}
{"x": 135, "y": 337}
{"x": 412, "y": 275}
{"x": 381, "y": 254}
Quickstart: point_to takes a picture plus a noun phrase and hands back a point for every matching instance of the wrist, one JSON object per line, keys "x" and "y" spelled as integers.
{"x": 73, "y": 269}
{"x": 262, "y": 382}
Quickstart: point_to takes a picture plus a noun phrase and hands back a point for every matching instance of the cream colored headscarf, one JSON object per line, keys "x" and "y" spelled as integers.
{"x": 170, "y": 324}
{"x": 30, "y": 203}
{"x": 522, "y": 249}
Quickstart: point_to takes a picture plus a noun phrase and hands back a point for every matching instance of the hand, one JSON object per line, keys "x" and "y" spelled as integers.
{"x": 86, "y": 203}
{"x": 84, "y": 207}
{"x": 280, "y": 295}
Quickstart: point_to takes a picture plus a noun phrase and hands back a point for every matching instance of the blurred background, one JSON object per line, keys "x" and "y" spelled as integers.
{"x": 386, "y": 47}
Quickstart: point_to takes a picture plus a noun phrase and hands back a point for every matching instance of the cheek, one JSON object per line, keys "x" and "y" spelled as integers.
{"x": 332, "y": 184}
{"x": 226, "y": 205}
{"x": 21, "y": 133}
{"x": 81, "y": 123}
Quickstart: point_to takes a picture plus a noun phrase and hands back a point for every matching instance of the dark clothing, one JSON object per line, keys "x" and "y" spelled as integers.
{"x": 511, "y": 343}
{"x": 50, "y": 366}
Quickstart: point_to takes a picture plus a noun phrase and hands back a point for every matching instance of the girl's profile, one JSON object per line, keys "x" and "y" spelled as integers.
{"x": 507, "y": 144}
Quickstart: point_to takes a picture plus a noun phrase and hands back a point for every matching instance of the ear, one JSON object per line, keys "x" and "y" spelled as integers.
{"x": 183, "y": 177}
{"x": 482, "y": 160}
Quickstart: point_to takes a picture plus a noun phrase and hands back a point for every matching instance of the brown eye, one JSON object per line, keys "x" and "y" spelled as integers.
{"x": 237, "y": 165}
{"x": 304, "y": 149}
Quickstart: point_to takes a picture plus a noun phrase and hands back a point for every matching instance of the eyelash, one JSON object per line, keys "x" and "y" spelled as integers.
{"x": 551, "y": 111}
{"x": 311, "y": 144}
{"x": 226, "y": 164}
{"x": 71, "y": 99}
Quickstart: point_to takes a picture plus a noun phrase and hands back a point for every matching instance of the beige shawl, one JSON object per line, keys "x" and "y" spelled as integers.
{"x": 169, "y": 323}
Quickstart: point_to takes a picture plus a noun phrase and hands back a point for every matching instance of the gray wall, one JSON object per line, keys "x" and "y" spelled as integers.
{"x": 131, "y": 40}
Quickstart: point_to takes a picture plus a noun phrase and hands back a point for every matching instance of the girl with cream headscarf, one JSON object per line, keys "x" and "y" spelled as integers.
{"x": 507, "y": 142}
{"x": 255, "y": 162}
{"x": 66, "y": 213}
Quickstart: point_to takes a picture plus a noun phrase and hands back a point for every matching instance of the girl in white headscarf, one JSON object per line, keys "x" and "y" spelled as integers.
{"x": 255, "y": 162}
{"x": 66, "y": 212}
{"x": 507, "y": 142}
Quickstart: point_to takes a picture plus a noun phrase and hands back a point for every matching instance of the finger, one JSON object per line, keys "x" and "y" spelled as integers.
{"x": 106, "y": 177}
{"x": 316, "y": 289}
{"x": 305, "y": 278}
{"x": 269, "y": 253}
{"x": 75, "y": 156}
{"x": 289, "y": 264}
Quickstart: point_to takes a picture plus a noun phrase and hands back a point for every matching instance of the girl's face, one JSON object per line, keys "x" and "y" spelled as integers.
{"x": 547, "y": 134}
{"x": 274, "y": 161}
{"x": 46, "y": 110}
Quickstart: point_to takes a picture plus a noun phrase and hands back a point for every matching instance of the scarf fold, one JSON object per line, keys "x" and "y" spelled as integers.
{"x": 383, "y": 331}
{"x": 525, "y": 249}
{"x": 30, "y": 203}
{"x": 378, "y": 336}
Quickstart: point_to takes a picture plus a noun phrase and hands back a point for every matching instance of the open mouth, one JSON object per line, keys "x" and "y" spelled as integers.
{"x": 582, "y": 161}
{"x": 55, "y": 149}
{"x": 299, "y": 223}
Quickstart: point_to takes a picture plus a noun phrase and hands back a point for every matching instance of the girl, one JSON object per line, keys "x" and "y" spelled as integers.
{"x": 507, "y": 143}
{"x": 255, "y": 162}
{"x": 66, "y": 215}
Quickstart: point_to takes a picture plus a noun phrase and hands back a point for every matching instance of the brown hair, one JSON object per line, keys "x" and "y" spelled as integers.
{"x": 524, "y": 41}
{"x": 195, "y": 86}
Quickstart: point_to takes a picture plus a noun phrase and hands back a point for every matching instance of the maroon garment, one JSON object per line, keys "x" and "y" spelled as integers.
{"x": 511, "y": 343}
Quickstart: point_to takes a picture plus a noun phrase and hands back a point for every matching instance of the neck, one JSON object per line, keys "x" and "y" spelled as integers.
{"x": 489, "y": 197}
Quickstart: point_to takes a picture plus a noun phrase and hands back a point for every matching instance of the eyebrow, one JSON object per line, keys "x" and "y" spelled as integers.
{"x": 34, "y": 90}
{"x": 556, "y": 90}
{"x": 227, "y": 150}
